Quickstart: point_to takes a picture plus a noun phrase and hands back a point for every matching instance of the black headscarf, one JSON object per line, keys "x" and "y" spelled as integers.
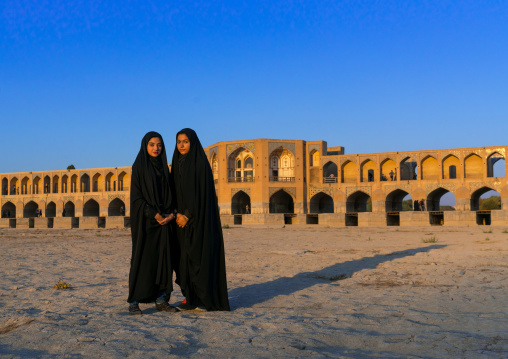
{"x": 202, "y": 262}
{"x": 151, "y": 265}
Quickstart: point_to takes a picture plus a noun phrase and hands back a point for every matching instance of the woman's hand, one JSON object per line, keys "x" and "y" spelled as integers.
{"x": 181, "y": 220}
{"x": 164, "y": 219}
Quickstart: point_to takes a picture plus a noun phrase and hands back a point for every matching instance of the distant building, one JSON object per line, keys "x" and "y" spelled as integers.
{"x": 284, "y": 181}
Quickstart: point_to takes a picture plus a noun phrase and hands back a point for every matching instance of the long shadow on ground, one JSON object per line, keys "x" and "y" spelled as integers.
{"x": 250, "y": 295}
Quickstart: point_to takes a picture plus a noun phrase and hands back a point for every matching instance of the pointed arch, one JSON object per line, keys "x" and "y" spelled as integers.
{"x": 359, "y": 201}
{"x": 430, "y": 168}
{"x": 367, "y": 171}
{"x": 29, "y": 209}
{"x": 123, "y": 181}
{"x": 348, "y": 173}
{"x": 433, "y": 202}
{"x": 69, "y": 209}
{"x": 239, "y": 203}
{"x": 9, "y": 210}
{"x": 50, "y": 209}
{"x": 91, "y": 208}
{"x": 473, "y": 166}
{"x": 116, "y": 207}
{"x": 496, "y": 165}
{"x": 450, "y": 167}
{"x": 321, "y": 203}
{"x": 97, "y": 182}
{"x": 479, "y": 202}
{"x": 281, "y": 202}
{"x": 398, "y": 200}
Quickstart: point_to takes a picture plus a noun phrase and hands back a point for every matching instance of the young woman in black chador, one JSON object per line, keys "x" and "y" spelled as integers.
{"x": 202, "y": 264}
{"x": 153, "y": 241}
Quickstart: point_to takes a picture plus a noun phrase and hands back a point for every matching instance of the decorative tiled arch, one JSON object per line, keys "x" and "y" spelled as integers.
{"x": 234, "y": 146}
{"x": 432, "y": 186}
{"x": 289, "y": 190}
{"x": 353, "y": 189}
{"x": 236, "y": 190}
{"x": 315, "y": 190}
{"x": 272, "y": 146}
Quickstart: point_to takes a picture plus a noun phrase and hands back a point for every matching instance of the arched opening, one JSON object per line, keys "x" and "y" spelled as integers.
{"x": 398, "y": 201}
{"x": 388, "y": 170}
{"x": 215, "y": 167}
{"x": 14, "y": 186}
{"x": 97, "y": 183}
{"x": 85, "y": 183}
{"x": 5, "y": 186}
{"x": 74, "y": 183}
{"x": 282, "y": 165}
{"x": 116, "y": 208}
{"x": 91, "y": 209}
{"x": 47, "y": 184}
{"x": 9, "y": 210}
{"x": 65, "y": 179}
{"x": 496, "y": 165}
{"x": 51, "y": 209}
{"x": 26, "y": 185}
{"x": 281, "y": 202}
{"x": 408, "y": 169}
{"x": 30, "y": 209}
{"x": 56, "y": 181}
{"x": 36, "y": 184}
{"x": 321, "y": 203}
{"x": 123, "y": 181}
{"x": 348, "y": 172}
{"x": 314, "y": 158}
{"x": 359, "y": 202}
{"x": 430, "y": 168}
{"x": 449, "y": 167}
{"x": 69, "y": 210}
{"x": 248, "y": 168}
{"x": 473, "y": 166}
{"x": 368, "y": 171}
{"x": 440, "y": 200}
{"x": 240, "y": 203}
{"x": 237, "y": 166}
{"x": 485, "y": 199}
{"x": 330, "y": 172}
{"x": 110, "y": 182}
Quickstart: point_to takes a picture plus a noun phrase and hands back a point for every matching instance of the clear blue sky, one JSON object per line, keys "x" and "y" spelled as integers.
{"x": 82, "y": 81}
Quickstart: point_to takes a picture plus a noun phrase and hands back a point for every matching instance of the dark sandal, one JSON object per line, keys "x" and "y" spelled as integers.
{"x": 134, "y": 309}
{"x": 165, "y": 307}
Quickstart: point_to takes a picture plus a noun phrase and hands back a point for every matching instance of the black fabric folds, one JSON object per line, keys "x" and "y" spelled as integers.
{"x": 152, "y": 244}
{"x": 202, "y": 261}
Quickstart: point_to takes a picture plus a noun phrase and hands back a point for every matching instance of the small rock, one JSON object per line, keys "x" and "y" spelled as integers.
{"x": 48, "y": 302}
{"x": 15, "y": 287}
{"x": 462, "y": 272}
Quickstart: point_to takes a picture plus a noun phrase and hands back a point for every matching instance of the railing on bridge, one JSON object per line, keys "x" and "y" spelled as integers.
{"x": 240, "y": 179}
{"x": 329, "y": 179}
{"x": 281, "y": 179}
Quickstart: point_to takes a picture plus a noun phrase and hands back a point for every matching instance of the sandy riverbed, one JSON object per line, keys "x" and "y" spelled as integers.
{"x": 306, "y": 291}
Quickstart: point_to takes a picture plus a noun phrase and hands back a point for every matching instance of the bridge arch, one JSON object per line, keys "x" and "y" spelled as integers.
{"x": 397, "y": 201}
{"x": 367, "y": 171}
{"x": 239, "y": 203}
{"x": 281, "y": 202}
{"x": 450, "y": 167}
{"x": 50, "y": 209}
{"x": 473, "y": 166}
{"x": 479, "y": 200}
{"x": 321, "y": 203}
{"x": 359, "y": 201}
{"x": 433, "y": 202}
{"x": 496, "y": 165}
{"x": 69, "y": 209}
{"x": 91, "y": 209}
{"x": 430, "y": 168}
{"x": 9, "y": 210}
{"x": 348, "y": 172}
{"x": 29, "y": 209}
{"x": 115, "y": 207}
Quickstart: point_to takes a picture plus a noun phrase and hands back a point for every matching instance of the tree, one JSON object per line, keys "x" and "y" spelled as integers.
{"x": 71, "y": 167}
{"x": 490, "y": 203}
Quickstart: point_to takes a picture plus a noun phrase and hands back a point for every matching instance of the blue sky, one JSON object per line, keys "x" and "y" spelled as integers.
{"x": 81, "y": 82}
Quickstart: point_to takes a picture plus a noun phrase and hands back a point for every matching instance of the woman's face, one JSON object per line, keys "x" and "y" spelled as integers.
{"x": 183, "y": 144}
{"x": 154, "y": 147}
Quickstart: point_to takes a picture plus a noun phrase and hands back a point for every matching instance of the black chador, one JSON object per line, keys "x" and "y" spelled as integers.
{"x": 202, "y": 262}
{"x": 152, "y": 266}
